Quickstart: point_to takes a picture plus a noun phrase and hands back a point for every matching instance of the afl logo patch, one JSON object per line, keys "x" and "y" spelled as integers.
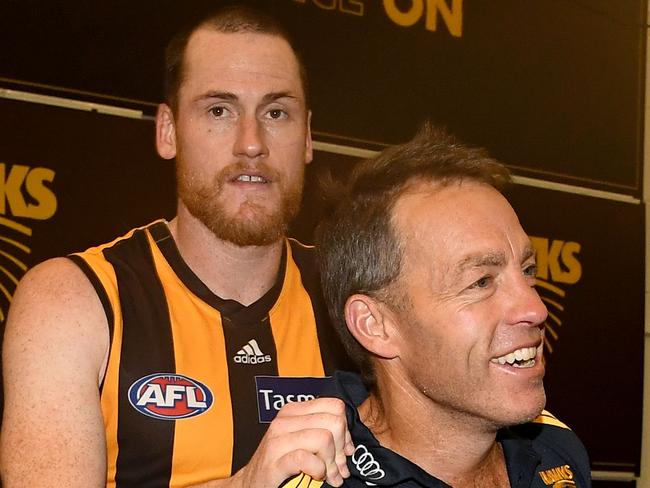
{"x": 170, "y": 396}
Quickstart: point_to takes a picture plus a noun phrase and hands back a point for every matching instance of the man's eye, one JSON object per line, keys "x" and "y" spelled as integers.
{"x": 531, "y": 270}
{"x": 218, "y": 111}
{"x": 483, "y": 282}
{"x": 277, "y": 113}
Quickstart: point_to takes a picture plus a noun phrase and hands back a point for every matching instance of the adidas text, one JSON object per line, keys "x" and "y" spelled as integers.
{"x": 243, "y": 359}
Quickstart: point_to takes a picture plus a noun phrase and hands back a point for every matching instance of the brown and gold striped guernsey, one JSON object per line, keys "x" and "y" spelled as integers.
{"x": 203, "y": 354}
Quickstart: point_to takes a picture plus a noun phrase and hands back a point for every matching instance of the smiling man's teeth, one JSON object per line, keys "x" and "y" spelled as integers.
{"x": 521, "y": 358}
{"x": 251, "y": 179}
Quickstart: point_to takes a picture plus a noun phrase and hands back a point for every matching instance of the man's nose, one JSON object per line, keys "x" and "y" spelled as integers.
{"x": 527, "y": 307}
{"x": 250, "y": 138}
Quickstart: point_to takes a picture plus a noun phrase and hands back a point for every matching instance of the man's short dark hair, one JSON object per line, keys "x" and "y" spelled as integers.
{"x": 232, "y": 19}
{"x": 359, "y": 249}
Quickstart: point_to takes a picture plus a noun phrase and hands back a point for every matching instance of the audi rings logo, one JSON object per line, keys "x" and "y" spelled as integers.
{"x": 366, "y": 465}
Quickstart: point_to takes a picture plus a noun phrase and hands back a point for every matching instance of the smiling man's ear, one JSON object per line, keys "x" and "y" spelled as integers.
{"x": 373, "y": 325}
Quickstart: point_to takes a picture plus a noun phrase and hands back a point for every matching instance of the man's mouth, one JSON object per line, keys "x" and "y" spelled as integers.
{"x": 520, "y": 358}
{"x": 251, "y": 179}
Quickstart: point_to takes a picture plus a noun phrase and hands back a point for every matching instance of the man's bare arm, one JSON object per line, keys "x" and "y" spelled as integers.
{"x": 55, "y": 351}
{"x": 54, "y": 354}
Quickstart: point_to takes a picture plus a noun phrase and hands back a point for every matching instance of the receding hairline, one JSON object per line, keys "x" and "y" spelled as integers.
{"x": 231, "y": 19}
{"x": 209, "y": 28}
{"x": 424, "y": 185}
{"x": 423, "y": 188}
{"x": 429, "y": 184}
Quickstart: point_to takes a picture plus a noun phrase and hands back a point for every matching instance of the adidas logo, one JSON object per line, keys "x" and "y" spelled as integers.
{"x": 251, "y": 354}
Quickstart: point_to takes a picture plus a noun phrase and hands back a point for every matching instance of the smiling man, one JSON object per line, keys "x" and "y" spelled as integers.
{"x": 430, "y": 280}
{"x": 140, "y": 363}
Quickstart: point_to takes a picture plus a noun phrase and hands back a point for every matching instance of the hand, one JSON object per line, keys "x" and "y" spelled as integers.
{"x": 306, "y": 437}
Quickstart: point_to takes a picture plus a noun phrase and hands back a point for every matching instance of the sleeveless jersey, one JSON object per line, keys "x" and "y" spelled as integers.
{"x": 179, "y": 396}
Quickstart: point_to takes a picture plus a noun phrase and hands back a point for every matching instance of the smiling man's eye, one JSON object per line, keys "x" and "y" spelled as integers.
{"x": 531, "y": 270}
{"x": 482, "y": 282}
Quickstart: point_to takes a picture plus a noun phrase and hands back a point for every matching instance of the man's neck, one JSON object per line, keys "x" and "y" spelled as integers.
{"x": 452, "y": 447}
{"x": 241, "y": 273}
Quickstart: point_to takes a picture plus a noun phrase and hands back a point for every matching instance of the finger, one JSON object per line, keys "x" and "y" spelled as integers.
{"x": 323, "y": 446}
{"x": 333, "y": 406}
{"x": 341, "y": 461}
{"x": 349, "y": 445}
{"x": 341, "y": 457}
{"x": 328, "y": 413}
{"x": 303, "y": 461}
{"x": 316, "y": 442}
{"x": 335, "y": 425}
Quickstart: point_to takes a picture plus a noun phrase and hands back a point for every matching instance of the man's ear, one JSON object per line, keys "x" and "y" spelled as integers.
{"x": 373, "y": 324}
{"x": 165, "y": 132}
{"x": 309, "y": 149}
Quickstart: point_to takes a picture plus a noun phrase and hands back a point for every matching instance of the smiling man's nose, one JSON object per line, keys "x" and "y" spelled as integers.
{"x": 526, "y": 306}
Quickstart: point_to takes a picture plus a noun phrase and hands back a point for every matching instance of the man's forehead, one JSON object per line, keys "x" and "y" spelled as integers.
{"x": 212, "y": 46}
{"x": 423, "y": 204}
{"x": 245, "y": 64}
{"x": 464, "y": 224}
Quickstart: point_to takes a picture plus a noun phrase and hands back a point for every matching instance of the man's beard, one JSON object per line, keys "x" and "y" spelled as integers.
{"x": 252, "y": 224}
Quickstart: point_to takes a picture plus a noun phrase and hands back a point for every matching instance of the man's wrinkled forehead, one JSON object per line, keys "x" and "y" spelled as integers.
{"x": 468, "y": 223}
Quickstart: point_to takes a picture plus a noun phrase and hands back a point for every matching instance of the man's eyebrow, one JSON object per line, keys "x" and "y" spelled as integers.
{"x": 273, "y": 96}
{"x": 217, "y": 95}
{"x": 231, "y": 97}
{"x": 490, "y": 258}
{"x": 495, "y": 258}
{"x": 528, "y": 253}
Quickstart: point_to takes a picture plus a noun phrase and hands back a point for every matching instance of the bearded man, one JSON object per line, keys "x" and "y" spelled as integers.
{"x": 140, "y": 363}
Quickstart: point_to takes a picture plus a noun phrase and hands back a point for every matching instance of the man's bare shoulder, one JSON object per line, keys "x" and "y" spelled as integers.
{"x": 46, "y": 278}
{"x": 55, "y": 304}
{"x": 54, "y": 353}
